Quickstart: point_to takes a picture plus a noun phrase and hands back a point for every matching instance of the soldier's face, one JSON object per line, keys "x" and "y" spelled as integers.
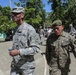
{"x": 58, "y": 29}
{"x": 17, "y": 16}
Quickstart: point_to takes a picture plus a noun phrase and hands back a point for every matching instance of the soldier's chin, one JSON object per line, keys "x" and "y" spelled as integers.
{"x": 57, "y": 34}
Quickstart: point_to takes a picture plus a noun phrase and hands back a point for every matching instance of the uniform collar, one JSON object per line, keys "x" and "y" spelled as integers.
{"x": 63, "y": 34}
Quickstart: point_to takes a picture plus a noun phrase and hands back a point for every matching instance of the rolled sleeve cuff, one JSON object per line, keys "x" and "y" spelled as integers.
{"x": 27, "y": 51}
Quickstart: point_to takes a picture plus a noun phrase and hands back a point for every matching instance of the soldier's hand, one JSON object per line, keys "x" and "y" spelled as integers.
{"x": 14, "y": 52}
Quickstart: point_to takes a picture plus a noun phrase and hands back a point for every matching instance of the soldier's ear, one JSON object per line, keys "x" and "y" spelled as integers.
{"x": 62, "y": 27}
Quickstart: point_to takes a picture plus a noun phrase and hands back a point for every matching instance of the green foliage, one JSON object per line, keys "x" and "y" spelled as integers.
{"x": 30, "y": 16}
{"x": 64, "y": 10}
{"x": 5, "y": 22}
{"x": 34, "y": 13}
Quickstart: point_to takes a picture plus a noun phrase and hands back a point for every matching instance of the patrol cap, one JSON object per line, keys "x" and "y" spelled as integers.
{"x": 18, "y": 10}
{"x": 57, "y": 23}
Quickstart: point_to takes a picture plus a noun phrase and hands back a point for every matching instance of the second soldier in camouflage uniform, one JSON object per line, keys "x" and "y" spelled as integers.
{"x": 57, "y": 50}
{"x": 25, "y": 45}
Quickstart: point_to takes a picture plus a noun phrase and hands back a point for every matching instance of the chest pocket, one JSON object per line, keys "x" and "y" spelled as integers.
{"x": 65, "y": 42}
{"x": 22, "y": 38}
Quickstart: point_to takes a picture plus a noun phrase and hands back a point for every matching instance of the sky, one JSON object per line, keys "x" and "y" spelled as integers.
{"x": 4, "y": 3}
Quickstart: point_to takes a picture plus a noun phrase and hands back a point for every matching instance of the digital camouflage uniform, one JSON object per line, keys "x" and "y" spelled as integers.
{"x": 57, "y": 53}
{"x": 26, "y": 41}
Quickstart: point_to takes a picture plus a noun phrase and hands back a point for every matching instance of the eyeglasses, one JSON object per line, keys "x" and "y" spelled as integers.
{"x": 15, "y": 14}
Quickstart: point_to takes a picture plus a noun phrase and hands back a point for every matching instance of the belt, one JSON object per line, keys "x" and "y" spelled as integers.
{"x": 27, "y": 58}
{"x": 23, "y": 60}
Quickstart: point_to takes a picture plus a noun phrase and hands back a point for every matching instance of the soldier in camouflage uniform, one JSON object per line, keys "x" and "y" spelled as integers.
{"x": 25, "y": 45}
{"x": 57, "y": 50}
{"x": 41, "y": 34}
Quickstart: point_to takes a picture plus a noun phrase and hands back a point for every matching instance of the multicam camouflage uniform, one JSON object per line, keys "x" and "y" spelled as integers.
{"x": 26, "y": 41}
{"x": 57, "y": 53}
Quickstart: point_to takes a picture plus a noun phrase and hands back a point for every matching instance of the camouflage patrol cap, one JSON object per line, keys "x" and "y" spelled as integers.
{"x": 18, "y": 10}
{"x": 57, "y": 23}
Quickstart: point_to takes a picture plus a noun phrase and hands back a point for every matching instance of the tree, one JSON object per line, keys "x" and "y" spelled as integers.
{"x": 34, "y": 13}
{"x": 64, "y": 10}
{"x": 5, "y": 22}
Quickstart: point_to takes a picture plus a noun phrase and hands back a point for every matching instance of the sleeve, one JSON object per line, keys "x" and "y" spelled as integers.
{"x": 47, "y": 53}
{"x": 73, "y": 45}
{"x": 33, "y": 46}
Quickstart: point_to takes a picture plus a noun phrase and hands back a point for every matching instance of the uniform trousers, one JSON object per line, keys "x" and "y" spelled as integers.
{"x": 17, "y": 71}
{"x": 56, "y": 70}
